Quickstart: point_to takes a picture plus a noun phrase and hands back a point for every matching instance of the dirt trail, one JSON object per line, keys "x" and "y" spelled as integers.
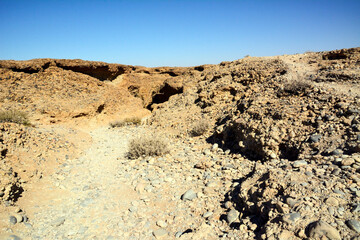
{"x": 104, "y": 195}
{"x": 86, "y": 196}
{"x": 300, "y": 68}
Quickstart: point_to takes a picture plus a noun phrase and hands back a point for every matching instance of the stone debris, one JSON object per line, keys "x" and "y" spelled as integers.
{"x": 354, "y": 225}
{"x": 232, "y": 216}
{"x": 321, "y": 229}
{"x": 279, "y": 157}
{"x": 189, "y": 195}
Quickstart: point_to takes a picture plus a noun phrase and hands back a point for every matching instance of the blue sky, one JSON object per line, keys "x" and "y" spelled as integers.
{"x": 174, "y": 32}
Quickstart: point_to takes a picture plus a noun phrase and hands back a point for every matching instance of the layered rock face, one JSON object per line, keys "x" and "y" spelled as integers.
{"x": 60, "y": 90}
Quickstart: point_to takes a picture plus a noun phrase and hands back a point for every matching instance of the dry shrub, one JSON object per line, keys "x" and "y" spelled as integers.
{"x": 126, "y": 122}
{"x": 150, "y": 145}
{"x": 14, "y": 116}
{"x": 200, "y": 127}
{"x": 297, "y": 85}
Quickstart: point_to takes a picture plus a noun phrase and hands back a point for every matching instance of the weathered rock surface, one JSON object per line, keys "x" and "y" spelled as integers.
{"x": 279, "y": 158}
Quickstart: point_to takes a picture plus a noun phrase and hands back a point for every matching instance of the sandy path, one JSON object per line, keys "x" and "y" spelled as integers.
{"x": 104, "y": 195}
{"x": 87, "y": 196}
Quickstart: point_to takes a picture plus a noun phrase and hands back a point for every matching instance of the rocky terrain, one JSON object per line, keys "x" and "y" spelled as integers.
{"x": 260, "y": 148}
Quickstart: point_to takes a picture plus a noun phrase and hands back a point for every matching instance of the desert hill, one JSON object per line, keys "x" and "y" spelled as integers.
{"x": 260, "y": 148}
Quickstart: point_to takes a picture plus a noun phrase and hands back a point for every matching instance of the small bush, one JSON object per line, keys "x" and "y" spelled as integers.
{"x": 200, "y": 127}
{"x": 14, "y": 116}
{"x": 150, "y": 145}
{"x": 297, "y": 87}
{"x": 296, "y": 84}
{"x": 126, "y": 122}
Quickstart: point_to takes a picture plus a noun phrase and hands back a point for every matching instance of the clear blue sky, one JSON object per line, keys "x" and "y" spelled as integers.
{"x": 174, "y": 32}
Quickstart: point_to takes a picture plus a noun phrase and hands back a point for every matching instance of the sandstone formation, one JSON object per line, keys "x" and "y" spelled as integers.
{"x": 277, "y": 155}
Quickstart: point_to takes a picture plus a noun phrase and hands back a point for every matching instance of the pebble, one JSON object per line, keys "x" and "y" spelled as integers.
{"x": 178, "y": 234}
{"x": 273, "y": 155}
{"x": 336, "y": 171}
{"x": 347, "y": 162}
{"x": 58, "y": 222}
{"x": 291, "y": 217}
{"x": 320, "y": 229}
{"x": 228, "y": 204}
{"x": 133, "y": 209}
{"x": 339, "y": 192}
{"x": 207, "y": 214}
{"x": 189, "y": 195}
{"x": 337, "y": 152}
{"x": 331, "y": 210}
{"x": 18, "y": 217}
{"x": 291, "y": 202}
{"x": 12, "y": 220}
{"x": 315, "y": 138}
{"x": 356, "y": 208}
{"x": 161, "y": 224}
{"x": 160, "y": 233}
{"x": 12, "y": 237}
{"x": 299, "y": 163}
{"x": 215, "y": 147}
{"x": 332, "y": 201}
{"x": 354, "y": 225}
{"x": 232, "y": 216}
{"x": 341, "y": 210}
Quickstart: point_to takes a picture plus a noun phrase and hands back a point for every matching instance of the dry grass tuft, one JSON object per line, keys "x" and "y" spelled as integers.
{"x": 14, "y": 116}
{"x": 150, "y": 145}
{"x": 126, "y": 122}
{"x": 200, "y": 127}
{"x": 297, "y": 85}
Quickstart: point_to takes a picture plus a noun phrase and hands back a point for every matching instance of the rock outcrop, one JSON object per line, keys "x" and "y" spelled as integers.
{"x": 282, "y": 133}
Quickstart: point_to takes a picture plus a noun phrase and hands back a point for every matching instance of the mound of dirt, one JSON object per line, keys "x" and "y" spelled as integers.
{"x": 48, "y": 89}
{"x": 27, "y": 153}
{"x": 267, "y": 108}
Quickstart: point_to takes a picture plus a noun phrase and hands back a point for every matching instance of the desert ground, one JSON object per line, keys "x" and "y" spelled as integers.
{"x": 257, "y": 148}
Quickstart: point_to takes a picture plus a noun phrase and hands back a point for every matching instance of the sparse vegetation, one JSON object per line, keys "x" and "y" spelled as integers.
{"x": 126, "y": 122}
{"x": 150, "y": 145}
{"x": 14, "y": 116}
{"x": 297, "y": 85}
{"x": 200, "y": 127}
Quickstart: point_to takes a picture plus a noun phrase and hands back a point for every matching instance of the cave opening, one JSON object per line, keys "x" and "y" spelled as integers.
{"x": 163, "y": 95}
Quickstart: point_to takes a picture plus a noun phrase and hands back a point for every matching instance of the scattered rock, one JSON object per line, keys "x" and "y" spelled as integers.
{"x": 12, "y": 220}
{"x": 160, "y": 233}
{"x": 58, "y": 222}
{"x": 354, "y": 225}
{"x": 299, "y": 163}
{"x": 291, "y": 218}
{"x": 208, "y": 214}
{"x": 232, "y": 216}
{"x": 271, "y": 166}
{"x": 18, "y": 217}
{"x": 332, "y": 201}
{"x": 13, "y": 237}
{"x": 320, "y": 229}
{"x": 337, "y": 152}
{"x": 189, "y": 195}
{"x": 347, "y": 162}
{"x": 315, "y": 138}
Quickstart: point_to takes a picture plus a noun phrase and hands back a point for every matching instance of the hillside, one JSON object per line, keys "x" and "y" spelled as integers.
{"x": 279, "y": 157}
